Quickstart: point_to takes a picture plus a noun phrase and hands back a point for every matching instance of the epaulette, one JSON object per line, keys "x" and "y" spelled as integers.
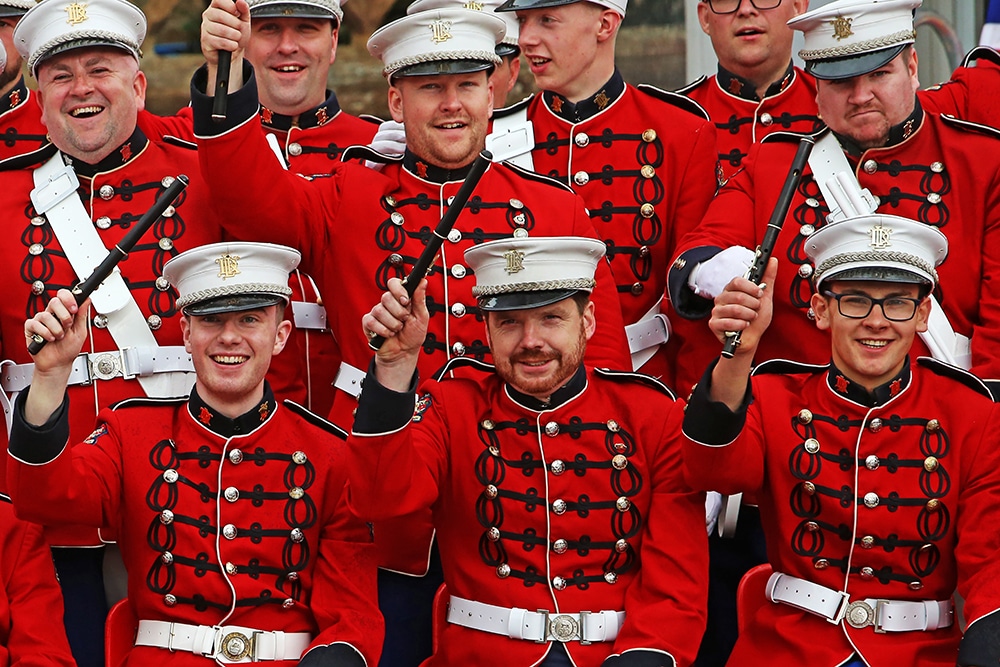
{"x": 513, "y": 108}
{"x": 146, "y": 402}
{"x": 787, "y": 367}
{"x": 793, "y": 136}
{"x": 535, "y": 176}
{"x": 315, "y": 419}
{"x": 676, "y": 99}
{"x": 368, "y": 118}
{"x": 462, "y": 362}
{"x": 177, "y": 141}
{"x": 981, "y": 53}
{"x": 955, "y": 373}
{"x": 359, "y": 152}
{"x": 700, "y": 81}
{"x": 969, "y": 126}
{"x": 641, "y": 378}
{"x": 24, "y": 160}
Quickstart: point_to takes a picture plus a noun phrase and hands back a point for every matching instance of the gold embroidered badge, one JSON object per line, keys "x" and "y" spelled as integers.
{"x": 440, "y": 31}
{"x": 842, "y": 28}
{"x": 880, "y": 237}
{"x": 515, "y": 261}
{"x": 76, "y": 13}
{"x": 229, "y": 266}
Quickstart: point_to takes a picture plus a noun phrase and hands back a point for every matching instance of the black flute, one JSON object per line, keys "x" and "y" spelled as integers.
{"x": 121, "y": 250}
{"x": 766, "y": 247}
{"x": 220, "y": 104}
{"x": 448, "y": 220}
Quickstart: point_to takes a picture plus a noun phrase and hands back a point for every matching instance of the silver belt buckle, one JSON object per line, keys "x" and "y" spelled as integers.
{"x": 236, "y": 646}
{"x": 860, "y": 614}
{"x": 564, "y": 628}
{"x": 106, "y": 365}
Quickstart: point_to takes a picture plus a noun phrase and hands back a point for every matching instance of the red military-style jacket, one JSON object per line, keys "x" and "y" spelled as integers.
{"x": 644, "y": 162}
{"x": 21, "y": 128}
{"x": 936, "y": 170}
{"x": 30, "y": 600}
{"x": 572, "y": 505}
{"x": 115, "y": 194}
{"x": 221, "y": 521}
{"x": 891, "y": 494}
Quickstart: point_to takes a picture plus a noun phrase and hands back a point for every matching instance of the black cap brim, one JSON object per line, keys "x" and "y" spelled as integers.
{"x": 292, "y": 10}
{"x": 877, "y": 274}
{"x": 10, "y": 12}
{"x": 504, "y": 50}
{"x": 852, "y": 66}
{"x": 524, "y": 300}
{"x": 232, "y": 304}
{"x": 515, "y": 5}
{"x": 444, "y": 67}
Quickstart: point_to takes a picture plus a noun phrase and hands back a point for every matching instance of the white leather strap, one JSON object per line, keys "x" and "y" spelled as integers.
{"x": 882, "y": 615}
{"x": 833, "y": 174}
{"x": 647, "y": 335}
{"x": 349, "y": 379}
{"x": 538, "y": 626}
{"x": 512, "y": 139}
{"x": 130, "y": 363}
{"x": 228, "y": 644}
{"x": 729, "y": 515}
{"x": 308, "y": 315}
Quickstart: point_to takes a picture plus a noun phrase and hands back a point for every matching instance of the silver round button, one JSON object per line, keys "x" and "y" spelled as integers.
{"x": 165, "y": 243}
{"x": 621, "y": 546}
{"x": 166, "y": 517}
{"x": 871, "y": 166}
{"x": 805, "y": 270}
{"x": 557, "y": 467}
{"x": 623, "y": 504}
{"x": 106, "y": 192}
{"x": 169, "y": 600}
{"x": 611, "y": 577}
{"x": 231, "y": 568}
{"x": 516, "y": 204}
{"x": 581, "y": 139}
{"x": 162, "y": 284}
{"x": 296, "y": 493}
{"x": 396, "y": 217}
{"x": 167, "y": 558}
{"x": 458, "y": 349}
{"x": 559, "y": 583}
{"x": 235, "y": 456}
{"x": 292, "y": 576}
{"x": 560, "y": 546}
{"x": 812, "y": 202}
{"x": 170, "y": 476}
{"x": 167, "y": 181}
{"x": 295, "y": 149}
{"x": 38, "y": 221}
{"x": 503, "y": 570}
{"x": 36, "y": 249}
{"x": 559, "y": 506}
{"x": 493, "y": 534}
{"x": 101, "y": 321}
{"x": 458, "y": 271}
{"x": 552, "y": 429}
{"x": 937, "y": 167}
{"x": 37, "y": 287}
{"x": 232, "y": 494}
{"x": 229, "y": 531}
{"x": 288, "y": 603}
{"x": 619, "y": 462}
{"x": 491, "y": 491}
{"x": 807, "y": 230}
{"x": 867, "y": 573}
{"x": 458, "y": 309}
{"x": 871, "y": 500}
{"x": 766, "y": 119}
{"x": 154, "y": 322}
{"x": 103, "y": 222}
{"x": 875, "y": 425}
{"x": 811, "y": 445}
{"x": 299, "y": 457}
{"x": 520, "y": 233}
{"x": 581, "y": 178}
{"x": 934, "y": 198}
{"x": 296, "y": 535}
{"x": 455, "y": 235}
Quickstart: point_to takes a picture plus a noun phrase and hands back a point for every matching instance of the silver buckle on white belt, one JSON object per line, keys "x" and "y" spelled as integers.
{"x": 563, "y": 627}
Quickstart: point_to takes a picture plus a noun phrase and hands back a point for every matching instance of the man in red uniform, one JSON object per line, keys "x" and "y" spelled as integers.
{"x": 929, "y": 167}
{"x": 567, "y": 535}
{"x": 21, "y": 128}
{"x": 29, "y": 597}
{"x": 878, "y": 476}
{"x": 229, "y": 505}
{"x": 642, "y": 161}
{"x": 358, "y": 228}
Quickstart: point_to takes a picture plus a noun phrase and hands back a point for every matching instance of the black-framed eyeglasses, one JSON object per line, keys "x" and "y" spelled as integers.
{"x": 730, "y": 6}
{"x": 858, "y": 306}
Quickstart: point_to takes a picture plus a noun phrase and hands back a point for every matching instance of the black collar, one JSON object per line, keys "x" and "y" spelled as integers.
{"x": 115, "y": 159}
{"x": 14, "y": 97}
{"x": 314, "y": 117}
{"x": 429, "y": 172}
{"x": 561, "y": 395}
{"x": 740, "y": 87}
{"x": 853, "y": 391}
{"x": 226, "y": 427}
{"x": 897, "y": 133}
{"x": 593, "y": 105}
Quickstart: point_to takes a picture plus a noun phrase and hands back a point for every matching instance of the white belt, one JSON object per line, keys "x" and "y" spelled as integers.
{"x": 128, "y": 363}
{"x": 538, "y": 626}
{"x": 883, "y": 615}
{"x": 227, "y": 644}
{"x": 349, "y": 379}
{"x": 646, "y": 336}
{"x": 308, "y": 315}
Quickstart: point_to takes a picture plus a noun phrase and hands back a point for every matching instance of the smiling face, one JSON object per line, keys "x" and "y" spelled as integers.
{"x": 231, "y": 354}
{"x": 537, "y": 350}
{"x": 869, "y": 351}
{"x": 752, "y": 43}
{"x": 90, "y": 98}
{"x": 866, "y": 107}
{"x": 445, "y": 115}
{"x": 291, "y": 58}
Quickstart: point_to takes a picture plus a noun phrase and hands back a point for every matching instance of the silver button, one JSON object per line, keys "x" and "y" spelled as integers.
{"x": 805, "y": 416}
{"x": 516, "y": 203}
{"x": 581, "y": 139}
{"x": 805, "y": 270}
{"x": 169, "y": 211}
{"x": 557, "y": 467}
{"x": 232, "y": 494}
{"x": 167, "y": 181}
{"x": 611, "y": 577}
{"x": 867, "y": 542}
{"x": 872, "y": 462}
{"x": 169, "y": 600}
{"x": 559, "y": 506}
{"x": 103, "y": 222}
{"x": 487, "y": 424}
{"x": 612, "y": 425}
{"x": 458, "y": 271}
{"x": 167, "y": 558}
{"x": 170, "y": 476}
{"x": 581, "y": 178}
{"x": 395, "y": 259}
{"x": 162, "y": 284}
{"x": 230, "y": 568}
{"x": 807, "y": 230}
{"x": 38, "y": 221}
{"x": 166, "y": 517}
{"x": 934, "y": 198}
{"x": 937, "y": 167}
{"x": 812, "y": 445}
{"x": 621, "y": 546}
{"x": 458, "y": 309}
{"x": 491, "y": 491}
{"x": 299, "y": 457}
{"x": 766, "y": 119}
{"x": 396, "y": 217}
{"x": 35, "y": 249}
{"x": 37, "y": 287}
{"x": 867, "y": 573}
{"x": 520, "y": 233}
{"x": 390, "y": 201}
{"x": 288, "y": 603}
{"x": 552, "y": 429}
{"x": 812, "y": 526}
{"x": 165, "y": 243}
{"x": 229, "y": 531}
{"x": 623, "y": 504}
{"x": 458, "y": 349}
{"x": 296, "y": 493}
{"x": 875, "y": 425}
{"x": 871, "y": 166}
{"x": 821, "y": 564}
{"x": 295, "y": 149}
{"x": 455, "y": 235}
{"x": 106, "y": 192}
{"x": 494, "y": 450}
{"x": 503, "y": 570}
{"x": 871, "y": 500}
{"x": 915, "y": 585}
{"x": 236, "y": 457}
{"x": 101, "y": 321}
{"x": 292, "y": 576}
{"x": 493, "y": 534}
{"x": 560, "y": 546}
{"x": 154, "y": 322}
{"x": 296, "y": 535}
{"x": 812, "y": 202}
{"x": 559, "y": 583}
{"x": 619, "y": 461}
{"x": 809, "y": 488}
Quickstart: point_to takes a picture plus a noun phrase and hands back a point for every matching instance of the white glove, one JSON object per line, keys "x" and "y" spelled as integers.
{"x": 389, "y": 140}
{"x": 713, "y": 505}
{"x": 709, "y": 278}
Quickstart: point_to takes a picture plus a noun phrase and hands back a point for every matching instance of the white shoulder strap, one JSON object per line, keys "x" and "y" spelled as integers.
{"x": 512, "y": 139}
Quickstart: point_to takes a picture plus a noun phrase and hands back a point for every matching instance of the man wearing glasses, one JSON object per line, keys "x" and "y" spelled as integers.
{"x": 877, "y": 474}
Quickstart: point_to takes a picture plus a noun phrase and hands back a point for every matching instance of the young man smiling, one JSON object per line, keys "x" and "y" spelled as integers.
{"x": 877, "y": 475}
